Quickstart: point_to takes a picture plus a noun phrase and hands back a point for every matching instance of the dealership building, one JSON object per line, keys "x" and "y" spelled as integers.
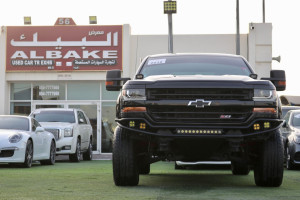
{"x": 64, "y": 66}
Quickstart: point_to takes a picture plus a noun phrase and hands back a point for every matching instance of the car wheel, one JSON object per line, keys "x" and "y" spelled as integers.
{"x": 268, "y": 171}
{"x": 28, "y": 154}
{"x": 88, "y": 155}
{"x": 52, "y": 156}
{"x": 144, "y": 164}
{"x": 125, "y": 165}
{"x": 239, "y": 168}
{"x": 75, "y": 157}
{"x": 289, "y": 163}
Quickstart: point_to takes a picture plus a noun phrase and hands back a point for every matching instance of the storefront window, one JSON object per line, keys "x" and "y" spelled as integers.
{"x": 49, "y": 91}
{"x": 83, "y": 91}
{"x": 20, "y": 91}
{"x": 108, "y": 126}
{"x": 109, "y": 95}
{"x": 19, "y": 108}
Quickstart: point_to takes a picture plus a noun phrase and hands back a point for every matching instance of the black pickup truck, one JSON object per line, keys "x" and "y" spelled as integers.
{"x": 197, "y": 107}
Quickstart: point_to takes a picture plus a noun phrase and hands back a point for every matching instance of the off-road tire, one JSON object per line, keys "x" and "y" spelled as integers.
{"x": 240, "y": 168}
{"x": 268, "y": 171}
{"x": 88, "y": 155}
{"x": 125, "y": 163}
{"x": 144, "y": 164}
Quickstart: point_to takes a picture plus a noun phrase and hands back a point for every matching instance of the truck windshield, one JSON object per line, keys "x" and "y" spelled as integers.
{"x": 195, "y": 65}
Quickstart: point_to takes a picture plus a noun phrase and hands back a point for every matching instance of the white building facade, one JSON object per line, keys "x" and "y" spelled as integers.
{"x": 65, "y": 66}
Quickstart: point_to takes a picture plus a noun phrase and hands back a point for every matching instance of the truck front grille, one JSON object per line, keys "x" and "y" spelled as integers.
{"x": 184, "y": 114}
{"x": 55, "y": 132}
{"x": 200, "y": 93}
{"x": 192, "y": 114}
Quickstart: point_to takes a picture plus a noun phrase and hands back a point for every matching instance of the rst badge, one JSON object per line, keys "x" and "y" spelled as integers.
{"x": 199, "y": 103}
{"x": 225, "y": 116}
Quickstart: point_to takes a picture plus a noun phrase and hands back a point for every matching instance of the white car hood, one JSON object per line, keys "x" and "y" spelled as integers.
{"x": 59, "y": 125}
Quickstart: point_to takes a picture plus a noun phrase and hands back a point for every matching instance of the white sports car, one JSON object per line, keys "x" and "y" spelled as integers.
{"x": 23, "y": 140}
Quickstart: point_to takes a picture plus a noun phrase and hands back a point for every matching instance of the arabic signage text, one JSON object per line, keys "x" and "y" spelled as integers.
{"x": 64, "y": 48}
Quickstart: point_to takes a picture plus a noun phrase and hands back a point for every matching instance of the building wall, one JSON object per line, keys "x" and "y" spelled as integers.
{"x": 256, "y": 47}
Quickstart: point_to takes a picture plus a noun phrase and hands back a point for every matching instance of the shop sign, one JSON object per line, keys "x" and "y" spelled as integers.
{"x": 63, "y": 48}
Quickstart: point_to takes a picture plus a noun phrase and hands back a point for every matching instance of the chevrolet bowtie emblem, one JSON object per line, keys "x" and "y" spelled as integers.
{"x": 199, "y": 103}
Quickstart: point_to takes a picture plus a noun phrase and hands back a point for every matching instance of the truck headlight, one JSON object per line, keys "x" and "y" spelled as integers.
{"x": 15, "y": 138}
{"x": 68, "y": 132}
{"x": 134, "y": 94}
{"x": 264, "y": 95}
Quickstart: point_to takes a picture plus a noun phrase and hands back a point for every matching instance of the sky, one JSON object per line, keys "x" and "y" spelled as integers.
{"x": 193, "y": 17}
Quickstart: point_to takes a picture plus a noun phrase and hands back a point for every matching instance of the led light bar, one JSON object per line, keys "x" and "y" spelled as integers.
{"x": 199, "y": 131}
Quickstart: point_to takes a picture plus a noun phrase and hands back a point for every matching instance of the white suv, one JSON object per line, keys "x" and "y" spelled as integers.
{"x": 71, "y": 129}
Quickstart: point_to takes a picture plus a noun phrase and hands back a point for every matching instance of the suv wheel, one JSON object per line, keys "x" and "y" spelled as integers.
{"x": 239, "y": 168}
{"x": 268, "y": 171}
{"x": 77, "y": 155}
{"x": 88, "y": 155}
{"x": 289, "y": 163}
{"x": 125, "y": 165}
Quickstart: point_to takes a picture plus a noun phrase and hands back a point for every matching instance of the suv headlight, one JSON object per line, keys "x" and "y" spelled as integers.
{"x": 15, "y": 138}
{"x": 134, "y": 94}
{"x": 68, "y": 132}
{"x": 264, "y": 95}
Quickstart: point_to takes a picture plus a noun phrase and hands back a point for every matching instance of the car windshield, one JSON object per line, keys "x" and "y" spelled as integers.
{"x": 54, "y": 116}
{"x": 14, "y": 123}
{"x": 296, "y": 119}
{"x": 195, "y": 65}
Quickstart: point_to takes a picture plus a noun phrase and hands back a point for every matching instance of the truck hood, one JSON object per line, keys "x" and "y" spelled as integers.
{"x": 196, "y": 81}
{"x": 58, "y": 125}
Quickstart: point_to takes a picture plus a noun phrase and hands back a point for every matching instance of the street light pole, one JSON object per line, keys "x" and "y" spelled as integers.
{"x": 237, "y": 28}
{"x": 264, "y": 14}
{"x": 170, "y": 7}
{"x": 170, "y": 25}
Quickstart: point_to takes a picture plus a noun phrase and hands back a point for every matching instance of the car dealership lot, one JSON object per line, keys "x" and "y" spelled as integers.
{"x": 93, "y": 180}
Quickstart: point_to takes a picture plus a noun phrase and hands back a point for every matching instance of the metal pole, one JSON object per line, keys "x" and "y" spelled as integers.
{"x": 237, "y": 28}
{"x": 264, "y": 14}
{"x": 170, "y": 32}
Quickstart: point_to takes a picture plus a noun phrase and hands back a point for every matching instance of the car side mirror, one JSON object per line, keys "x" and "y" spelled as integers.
{"x": 277, "y": 77}
{"x": 81, "y": 121}
{"x": 39, "y": 129}
{"x": 284, "y": 124}
{"x": 113, "y": 80}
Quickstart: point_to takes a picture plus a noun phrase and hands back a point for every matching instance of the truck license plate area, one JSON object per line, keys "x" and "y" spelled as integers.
{"x": 199, "y": 131}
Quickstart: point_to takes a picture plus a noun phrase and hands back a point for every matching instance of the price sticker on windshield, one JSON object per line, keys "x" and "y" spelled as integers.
{"x": 157, "y": 61}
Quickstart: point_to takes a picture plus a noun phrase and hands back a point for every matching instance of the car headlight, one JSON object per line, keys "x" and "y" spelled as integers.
{"x": 15, "y": 138}
{"x": 68, "y": 132}
{"x": 134, "y": 94}
{"x": 264, "y": 95}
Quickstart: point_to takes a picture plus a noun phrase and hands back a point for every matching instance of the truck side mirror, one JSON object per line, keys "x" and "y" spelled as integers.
{"x": 277, "y": 77}
{"x": 113, "y": 80}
